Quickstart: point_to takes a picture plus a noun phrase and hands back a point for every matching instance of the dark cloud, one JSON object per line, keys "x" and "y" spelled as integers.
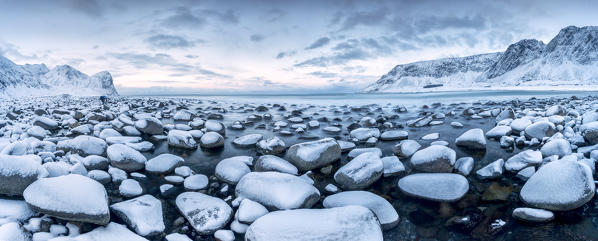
{"x": 164, "y": 41}
{"x": 351, "y": 49}
{"x": 323, "y": 74}
{"x": 228, "y": 16}
{"x": 89, "y": 7}
{"x": 274, "y": 14}
{"x": 319, "y": 43}
{"x": 257, "y": 37}
{"x": 284, "y": 54}
{"x": 142, "y": 61}
{"x": 197, "y": 18}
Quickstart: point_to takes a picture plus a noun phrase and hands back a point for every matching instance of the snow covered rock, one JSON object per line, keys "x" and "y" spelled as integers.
{"x": 360, "y": 172}
{"x": 387, "y": 215}
{"x": 362, "y": 134}
{"x": 523, "y": 159}
{"x": 533, "y": 214}
{"x": 112, "y": 231}
{"x": 559, "y": 147}
{"x": 314, "y": 154}
{"x": 394, "y": 135}
{"x": 434, "y": 158}
{"x": 125, "y": 157}
{"x": 277, "y": 190}
{"x": 13, "y": 231}
{"x": 72, "y": 197}
{"x": 164, "y": 163}
{"x": 211, "y": 140}
{"x": 492, "y": 170}
{"x": 231, "y": 170}
{"x": 349, "y": 223}
{"x": 196, "y": 182}
{"x": 14, "y": 210}
{"x": 83, "y": 145}
{"x": 143, "y": 214}
{"x": 248, "y": 140}
{"x": 249, "y": 211}
{"x": 443, "y": 187}
{"x": 406, "y": 148}
{"x": 392, "y": 166}
{"x": 473, "y": 139}
{"x": 46, "y": 123}
{"x": 498, "y": 131}
{"x": 540, "y": 130}
{"x": 130, "y": 188}
{"x": 181, "y": 139}
{"x": 206, "y": 214}
{"x": 267, "y": 163}
{"x": 183, "y": 115}
{"x": 271, "y": 146}
{"x": 519, "y": 124}
{"x": 589, "y": 131}
{"x": 150, "y": 126}
{"x": 464, "y": 165}
{"x": 17, "y": 172}
{"x": 559, "y": 186}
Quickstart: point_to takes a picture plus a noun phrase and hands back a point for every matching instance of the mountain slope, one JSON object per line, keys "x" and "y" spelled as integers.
{"x": 37, "y": 79}
{"x": 570, "y": 58}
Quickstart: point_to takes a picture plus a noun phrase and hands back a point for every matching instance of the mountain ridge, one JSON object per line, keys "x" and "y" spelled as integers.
{"x": 570, "y": 58}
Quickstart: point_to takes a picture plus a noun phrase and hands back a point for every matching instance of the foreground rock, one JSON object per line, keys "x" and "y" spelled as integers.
{"x": 272, "y": 189}
{"x": 125, "y": 157}
{"x": 443, "y": 187}
{"x": 559, "y": 186}
{"x": 387, "y": 215}
{"x": 142, "y": 214}
{"x": 435, "y": 158}
{"x": 17, "y": 172}
{"x": 472, "y": 139}
{"x": 314, "y": 154}
{"x": 360, "y": 172}
{"x": 72, "y": 197}
{"x": 540, "y": 130}
{"x": 83, "y": 145}
{"x": 206, "y": 214}
{"x": 317, "y": 224}
{"x": 164, "y": 163}
{"x": 533, "y": 214}
{"x": 231, "y": 170}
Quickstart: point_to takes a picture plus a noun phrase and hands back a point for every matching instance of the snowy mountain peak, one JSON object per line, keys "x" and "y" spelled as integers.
{"x": 37, "y": 79}
{"x": 570, "y": 58}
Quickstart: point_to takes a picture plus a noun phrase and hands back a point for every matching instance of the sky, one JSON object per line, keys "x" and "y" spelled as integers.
{"x": 268, "y": 46}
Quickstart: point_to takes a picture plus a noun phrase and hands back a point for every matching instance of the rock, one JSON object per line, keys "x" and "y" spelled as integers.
{"x": 589, "y": 131}
{"x": 345, "y": 145}
{"x": 181, "y": 139}
{"x": 163, "y": 163}
{"x": 109, "y": 232}
{"x": 248, "y": 140}
{"x": 540, "y": 130}
{"x": 362, "y": 134}
{"x": 46, "y": 123}
{"x": 360, "y": 172}
{"x": 101, "y": 176}
{"x": 196, "y": 182}
{"x": 442, "y": 187}
{"x": 14, "y": 210}
{"x": 13, "y": 231}
{"x": 222, "y": 235}
{"x": 526, "y": 173}
{"x": 519, "y": 125}
{"x": 387, "y": 215}
{"x": 314, "y": 154}
{"x": 431, "y": 136}
{"x": 211, "y": 140}
{"x": 456, "y": 124}
{"x": 231, "y": 170}
{"x": 83, "y": 145}
{"x": 505, "y": 114}
{"x": 464, "y": 165}
{"x": 316, "y": 224}
{"x": 130, "y": 188}
{"x": 142, "y": 214}
{"x": 392, "y": 166}
{"x": 434, "y": 159}
{"x": 150, "y": 126}
{"x": 358, "y": 151}
{"x": 332, "y": 129}
{"x": 17, "y": 172}
{"x": 523, "y": 159}
{"x": 406, "y": 148}
{"x": 72, "y": 197}
{"x": 559, "y": 186}
{"x": 271, "y": 146}
{"x": 273, "y": 190}
{"x": 497, "y": 192}
{"x": 394, "y": 135}
{"x": 183, "y": 115}
{"x": 125, "y": 157}
{"x": 473, "y": 139}
{"x": 491, "y": 171}
{"x": 215, "y": 126}
{"x": 533, "y": 214}
{"x": 249, "y": 211}
{"x": 559, "y": 147}
{"x": 267, "y": 163}
{"x": 206, "y": 214}
{"x": 499, "y": 131}
{"x": 94, "y": 162}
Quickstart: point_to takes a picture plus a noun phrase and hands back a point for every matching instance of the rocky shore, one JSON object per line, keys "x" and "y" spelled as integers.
{"x": 145, "y": 168}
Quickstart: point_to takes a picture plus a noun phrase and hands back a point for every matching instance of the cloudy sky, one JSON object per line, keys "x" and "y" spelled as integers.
{"x": 186, "y": 46}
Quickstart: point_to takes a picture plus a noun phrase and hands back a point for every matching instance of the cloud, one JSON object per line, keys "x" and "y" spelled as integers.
{"x": 318, "y": 43}
{"x": 164, "y": 41}
{"x": 349, "y": 50}
{"x": 323, "y": 74}
{"x": 274, "y": 14}
{"x": 284, "y": 54}
{"x": 257, "y": 37}
{"x": 89, "y": 7}
{"x": 183, "y": 17}
{"x": 8, "y": 49}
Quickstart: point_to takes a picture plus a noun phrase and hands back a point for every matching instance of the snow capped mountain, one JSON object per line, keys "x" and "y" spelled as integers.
{"x": 569, "y": 59}
{"x": 37, "y": 79}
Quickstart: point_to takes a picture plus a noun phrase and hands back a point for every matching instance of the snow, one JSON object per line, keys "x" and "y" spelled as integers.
{"x": 211, "y": 139}
{"x": 130, "y": 188}
{"x": 13, "y": 231}
{"x": 248, "y": 140}
{"x": 358, "y": 151}
{"x": 84, "y": 145}
{"x": 224, "y": 235}
{"x": 125, "y": 157}
{"x": 444, "y": 187}
{"x": 273, "y": 163}
{"x": 464, "y": 165}
{"x": 277, "y": 190}
{"x": 112, "y": 231}
{"x": 183, "y": 139}
{"x": 14, "y": 210}
{"x": 71, "y": 197}
{"x": 492, "y": 170}
{"x": 163, "y": 163}
{"x": 196, "y": 182}
{"x": 360, "y": 172}
{"x": 143, "y": 214}
{"x": 362, "y": 134}
{"x": 431, "y": 136}
{"x": 385, "y": 212}
{"x": 392, "y": 166}
{"x": 205, "y": 213}
{"x": 314, "y": 154}
{"x": 349, "y": 223}
{"x": 559, "y": 147}
{"x": 473, "y": 139}
{"x": 533, "y": 214}
{"x": 523, "y": 159}
{"x": 231, "y": 170}
{"x": 434, "y": 159}
{"x": 249, "y": 211}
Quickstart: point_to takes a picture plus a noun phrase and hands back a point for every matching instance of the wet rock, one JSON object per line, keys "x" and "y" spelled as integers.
{"x": 211, "y": 140}
{"x": 150, "y": 126}
{"x": 589, "y": 131}
{"x": 434, "y": 159}
{"x": 464, "y": 165}
{"x": 497, "y": 192}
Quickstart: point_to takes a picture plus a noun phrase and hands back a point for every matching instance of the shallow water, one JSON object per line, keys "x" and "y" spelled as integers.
{"x": 420, "y": 220}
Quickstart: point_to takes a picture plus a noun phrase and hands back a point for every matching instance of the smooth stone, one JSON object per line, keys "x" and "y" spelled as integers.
{"x": 473, "y": 139}
{"x": 130, "y": 188}
{"x": 540, "y": 130}
{"x": 394, "y": 135}
{"x": 491, "y": 171}
{"x": 317, "y": 224}
{"x": 142, "y": 214}
{"x": 267, "y": 163}
{"x": 163, "y": 163}
{"x": 519, "y": 125}
{"x": 277, "y": 190}
{"x": 231, "y": 170}
{"x": 196, "y": 182}
{"x": 125, "y": 157}
{"x": 387, "y": 215}
{"x": 362, "y": 134}
{"x": 249, "y": 211}
{"x": 248, "y": 140}
{"x": 434, "y": 159}
{"x": 358, "y": 151}
{"x": 206, "y": 214}
{"x": 392, "y": 166}
{"x": 150, "y": 126}
{"x": 360, "y": 172}
{"x": 523, "y": 159}
{"x": 406, "y": 148}
{"x": 211, "y": 140}
{"x": 559, "y": 147}
{"x": 314, "y": 154}
{"x": 442, "y": 187}
{"x": 181, "y": 139}
{"x": 498, "y": 131}
{"x": 271, "y": 146}
{"x": 83, "y": 145}
{"x": 464, "y": 165}
{"x": 533, "y": 214}
{"x": 18, "y": 172}
{"x": 589, "y": 131}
